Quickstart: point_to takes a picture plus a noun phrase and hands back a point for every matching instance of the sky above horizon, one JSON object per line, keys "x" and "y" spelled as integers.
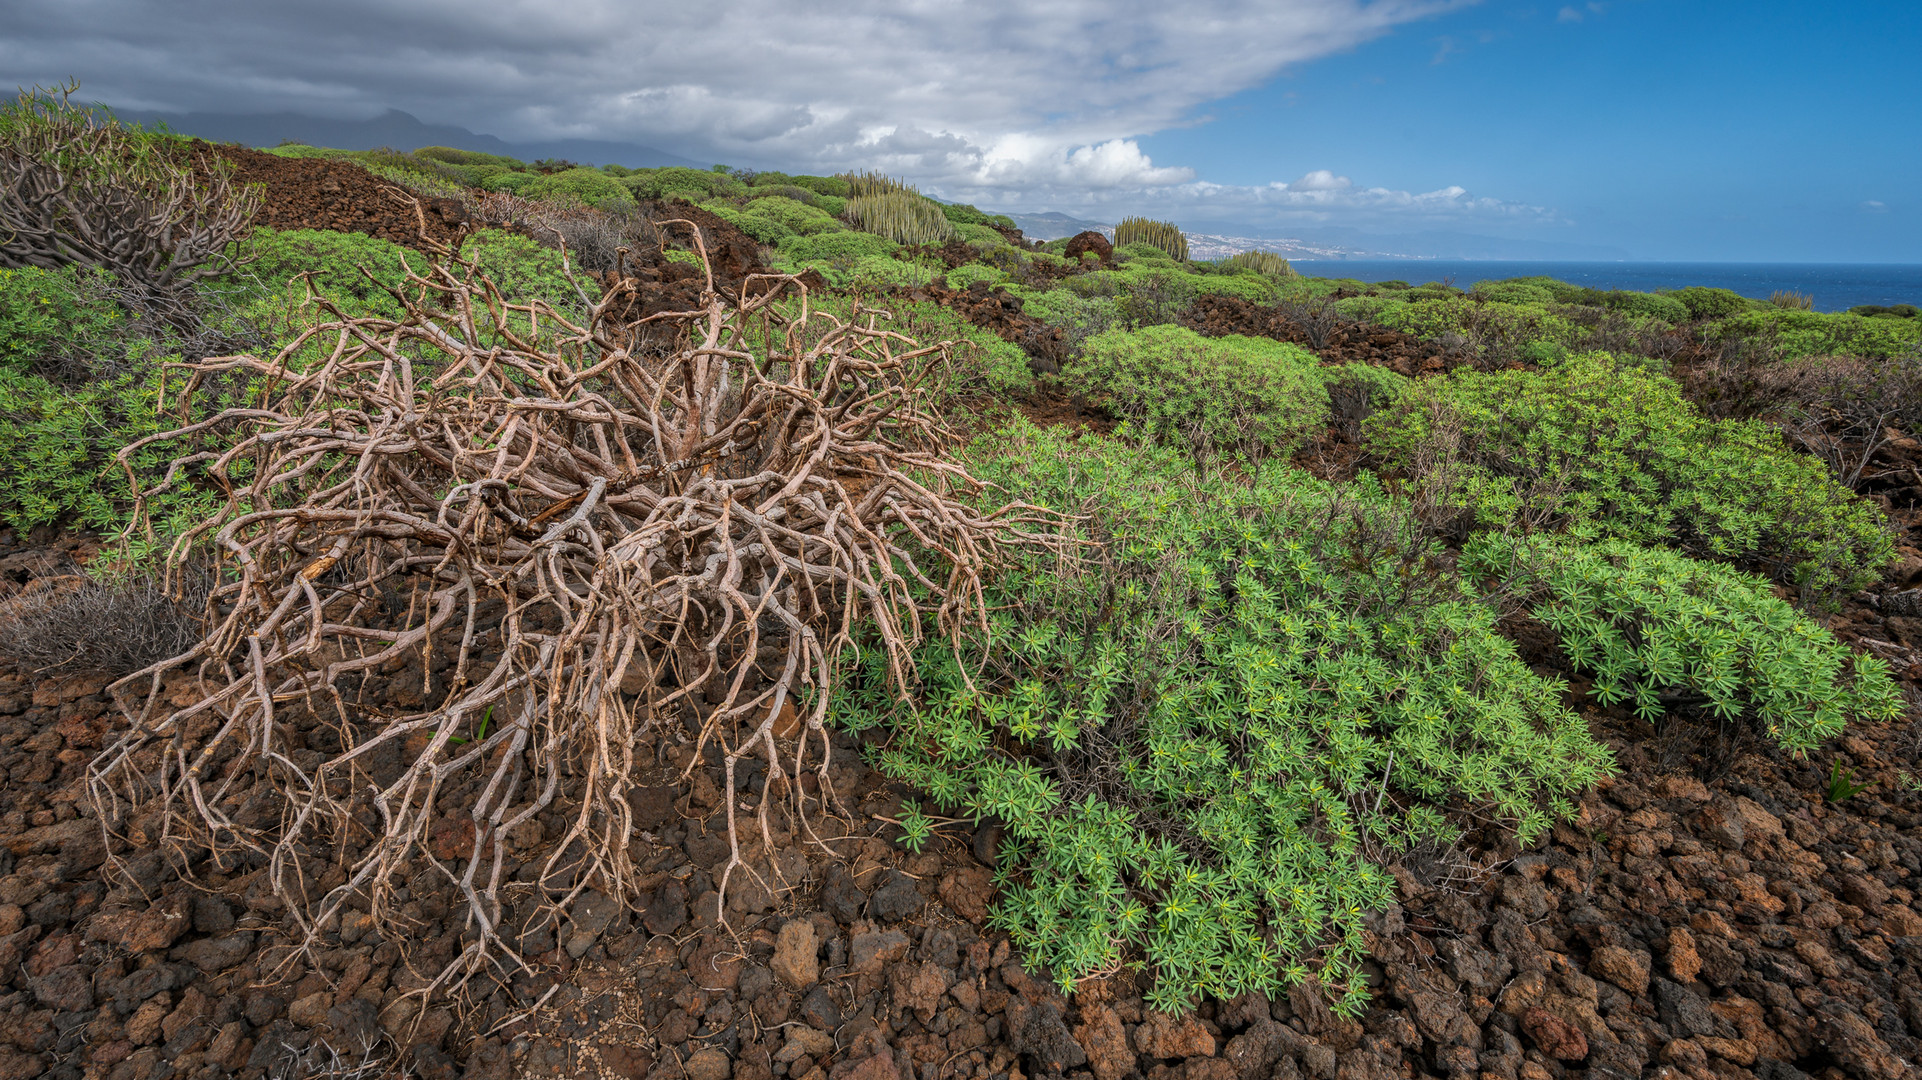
{"x": 1711, "y": 130}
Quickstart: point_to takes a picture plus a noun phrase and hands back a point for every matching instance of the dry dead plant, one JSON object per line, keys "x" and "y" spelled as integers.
{"x": 569, "y": 533}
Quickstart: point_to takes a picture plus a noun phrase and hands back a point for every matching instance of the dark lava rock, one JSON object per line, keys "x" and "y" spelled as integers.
{"x": 840, "y": 896}
{"x": 898, "y": 899}
{"x": 820, "y": 1011}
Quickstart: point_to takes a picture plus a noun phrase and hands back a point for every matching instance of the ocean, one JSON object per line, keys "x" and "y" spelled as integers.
{"x": 1835, "y": 286}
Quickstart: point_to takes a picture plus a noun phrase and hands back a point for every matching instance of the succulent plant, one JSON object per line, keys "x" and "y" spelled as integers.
{"x": 863, "y": 184}
{"x": 902, "y": 216}
{"x": 1161, "y": 234}
{"x": 1264, "y": 262}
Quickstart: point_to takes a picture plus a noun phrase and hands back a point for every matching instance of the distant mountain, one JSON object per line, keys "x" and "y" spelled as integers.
{"x": 1222, "y": 238}
{"x": 1054, "y": 225}
{"x": 401, "y": 131}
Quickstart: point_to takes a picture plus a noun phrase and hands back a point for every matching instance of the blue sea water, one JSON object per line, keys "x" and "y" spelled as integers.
{"x": 1835, "y": 286}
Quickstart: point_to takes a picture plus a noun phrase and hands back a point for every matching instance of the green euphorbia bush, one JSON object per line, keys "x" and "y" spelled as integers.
{"x": 590, "y": 186}
{"x": 1249, "y": 397}
{"x": 1608, "y": 450}
{"x": 1665, "y": 633}
{"x": 1704, "y": 302}
{"x": 46, "y": 315}
{"x": 1202, "y": 734}
{"x": 1797, "y": 334}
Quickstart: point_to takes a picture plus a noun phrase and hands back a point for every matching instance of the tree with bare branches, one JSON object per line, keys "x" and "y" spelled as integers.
{"x": 78, "y": 187}
{"x": 593, "y": 525}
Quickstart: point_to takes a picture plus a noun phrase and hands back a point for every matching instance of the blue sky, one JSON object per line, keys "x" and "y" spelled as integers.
{"x": 1655, "y": 129}
{"x": 1678, "y": 130}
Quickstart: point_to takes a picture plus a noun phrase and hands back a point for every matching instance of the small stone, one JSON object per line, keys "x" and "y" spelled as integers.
{"x": 1623, "y": 968}
{"x": 143, "y": 1027}
{"x": 878, "y": 1067}
{"x": 966, "y": 890}
{"x": 67, "y": 989}
{"x": 1555, "y": 1037}
{"x": 898, "y": 899}
{"x": 1106, "y": 1044}
{"x": 819, "y": 1009}
{"x": 1684, "y": 963}
{"x": 840, "y": 896}
{"x": 872, "y": 950}
{"x": 708, "y": 1064}
{"x": 804, "y": 1041}
{"x": 796, "y": 958}
{"x": 217, "y": 953}
{"x": 311, "y": 1011}
{"x": 1164, "y": 1036}
{"x": 918, "y": 987}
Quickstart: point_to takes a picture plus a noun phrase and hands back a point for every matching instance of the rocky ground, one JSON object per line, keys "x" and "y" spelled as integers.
{"x": 1744, "y": 927}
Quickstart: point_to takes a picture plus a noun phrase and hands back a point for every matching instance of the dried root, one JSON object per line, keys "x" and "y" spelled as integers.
{"x": 555, "y": 534}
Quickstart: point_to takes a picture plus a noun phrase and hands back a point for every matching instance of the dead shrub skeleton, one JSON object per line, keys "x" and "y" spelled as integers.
{"x": 648, "y": 502}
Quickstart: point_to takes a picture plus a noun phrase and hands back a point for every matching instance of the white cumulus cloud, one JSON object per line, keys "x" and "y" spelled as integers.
{"x": 1008, "y": 102}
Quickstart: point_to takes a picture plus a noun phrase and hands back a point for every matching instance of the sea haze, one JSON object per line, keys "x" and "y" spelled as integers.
{"x": 1835, "y": 286}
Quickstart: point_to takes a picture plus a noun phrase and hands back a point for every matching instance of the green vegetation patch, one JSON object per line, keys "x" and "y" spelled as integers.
{"x": 1668, "y": 634}
{"x": 1608, "y": 451}
{"x": 1249, "y": 397}
{"x": 1196, "y": 740}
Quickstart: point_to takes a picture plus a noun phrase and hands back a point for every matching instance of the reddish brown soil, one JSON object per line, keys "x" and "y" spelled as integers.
{"x": 1736, "y": 929}
{"x": 311, "y": 193}
{"x": 1000, "y": 312}
{"x": 1218, "y": 316}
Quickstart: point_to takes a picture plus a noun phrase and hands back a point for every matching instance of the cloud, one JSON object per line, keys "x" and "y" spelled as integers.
{"x": 1571, "y": 13}
{"x": 996, "y": 94}
{"x": 1875, "y": 206}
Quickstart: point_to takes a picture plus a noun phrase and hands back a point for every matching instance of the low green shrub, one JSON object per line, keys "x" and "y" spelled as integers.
{"x": 1646, "y": 305}
{"x": 49, "y": 315}
{"x": 802, "y": 217}
{"x": 1201, "y": 738}
{"x": 964, "y": 214}
{"x": 848, "y": 245}
{"x": 467, "y": 157}
{"x": 335, "y": 262}
{"x": 523, "y": 269}
{"x": 1077, "y": 317}
{"x": 1670, "y": 634}
{"x": 1892, "y": 311}
{"x": 968, "y": 273}
{"x": 1250, "y": 397}
{"x": 1796, "y": 334}
{"x": 1496, "y": 328}
{"x": 1142, "y": 251}
{"x": 674, "y": 181}
{"x": 980, "y": 234}
{"x": 1513, "y": 292}
{"x": 590, "y": 186}
{"x": 1254, "y": 288}
{"x": 831, "y": 186}
{"x": 1704, "y": 302}
{"x": 1611, "y": 451}
{"x": 513, "y": 182}
{"x": 761, "y": 227}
